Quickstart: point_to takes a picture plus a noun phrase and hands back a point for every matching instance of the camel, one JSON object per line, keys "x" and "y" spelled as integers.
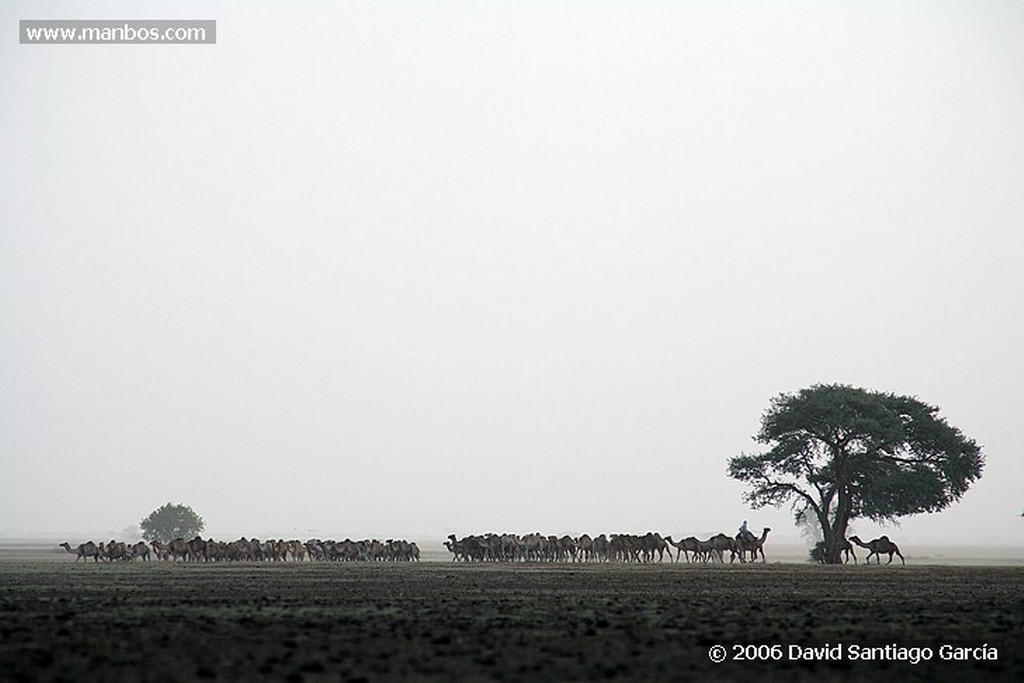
{"x": 85, "y": 550}
{"x": 115, "y": 550}
{"x": 601, "y": 548}
{"x": 743, "y": 546}
{"x": 297, "y": 550}
{"x": 196, "y": 549}
{"x": 314, "y": 547}
{"x": 460, "y": 550}
{"x": 565, "y": 549}
{"x": 719, "y": 543}
{"x": 846, "y": 549}
{"x": 878, "y": 546}
{"x": 160, "y": 550}
{"x": 585, "y": 546}
{"x": 533, "y": 546}
{"x": 178, "y": 548}
{"x": 685, "y": 546}
{"x": 511, "y": 547}
{"x": 140, "y": 549}
{"x": 492, "y": 546}
{"x": 622, "y": 549}
{"x": 253, "y": 549}
{"x": 704, "y": 551}
{"x": 654, "y": 543}
{"x": 217, "y": 550}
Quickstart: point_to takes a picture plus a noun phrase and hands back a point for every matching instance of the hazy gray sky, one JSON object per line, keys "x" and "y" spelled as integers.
{"x": 405, "y": 268}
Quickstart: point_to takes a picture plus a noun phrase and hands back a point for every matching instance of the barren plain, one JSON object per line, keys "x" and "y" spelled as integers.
{"x": 443, "y": 621}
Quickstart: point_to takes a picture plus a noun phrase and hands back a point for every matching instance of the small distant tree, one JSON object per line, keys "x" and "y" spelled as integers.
{"x": 840, "y": 453}
{"x": 171, "y": 521}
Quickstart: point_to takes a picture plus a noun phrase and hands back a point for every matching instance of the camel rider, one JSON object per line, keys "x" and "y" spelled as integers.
{"x": 745, "y": 533}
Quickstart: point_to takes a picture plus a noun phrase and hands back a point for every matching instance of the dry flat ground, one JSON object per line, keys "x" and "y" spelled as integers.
{"x": 444, "y": 621}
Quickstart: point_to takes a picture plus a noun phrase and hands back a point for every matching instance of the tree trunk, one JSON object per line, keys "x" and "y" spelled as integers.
{"x": 838, "y": 530}
{"x": 831, "y": 553}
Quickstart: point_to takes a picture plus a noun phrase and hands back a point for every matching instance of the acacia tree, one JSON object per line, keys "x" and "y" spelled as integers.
{"x": 839, "y": 453}
{"x": 170, "y": 521}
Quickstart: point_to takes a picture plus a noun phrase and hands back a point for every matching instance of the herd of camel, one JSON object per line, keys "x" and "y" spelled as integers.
{"x": 651, "y": 547}
{"x": 489, "y": 547}
{"x": 249, "y": 550}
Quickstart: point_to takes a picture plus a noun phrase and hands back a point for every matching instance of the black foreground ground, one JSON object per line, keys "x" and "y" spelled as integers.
{"x": 445, "y": 621}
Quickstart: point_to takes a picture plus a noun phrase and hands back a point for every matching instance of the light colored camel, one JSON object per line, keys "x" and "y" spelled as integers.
{"x": 460, "y": 550}
{"x": 297, "y": 550}
{"x": 688, "y": 545}
{"x": 140, "y": 549}
{"x": 85, "y": 550}
{"x": 114, "y": 551}
{"x": 585, "y": 548}
{"x": 880, "y": 545}
{"x": 565, "y": 549}
{"x": 719, "y": 544}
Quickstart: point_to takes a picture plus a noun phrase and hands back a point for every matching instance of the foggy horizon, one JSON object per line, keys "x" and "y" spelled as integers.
{"x": 404, "y": 271}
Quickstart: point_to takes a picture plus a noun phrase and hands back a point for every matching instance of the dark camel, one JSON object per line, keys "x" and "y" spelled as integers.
{"x": 878, "y": 546}
{"x": 846, "y": 548}
{"x": 754, "y": 547}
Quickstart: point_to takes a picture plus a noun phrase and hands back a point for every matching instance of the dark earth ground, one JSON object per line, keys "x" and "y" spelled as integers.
{"x": 444, "y": 621}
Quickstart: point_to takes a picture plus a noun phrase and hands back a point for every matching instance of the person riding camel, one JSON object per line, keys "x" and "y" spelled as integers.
{"x": 745, "y": 533}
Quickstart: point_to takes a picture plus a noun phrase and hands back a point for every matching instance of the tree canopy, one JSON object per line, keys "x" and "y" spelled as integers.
{"x": 171, "y": 521}
{"x": 839, "y": 453}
